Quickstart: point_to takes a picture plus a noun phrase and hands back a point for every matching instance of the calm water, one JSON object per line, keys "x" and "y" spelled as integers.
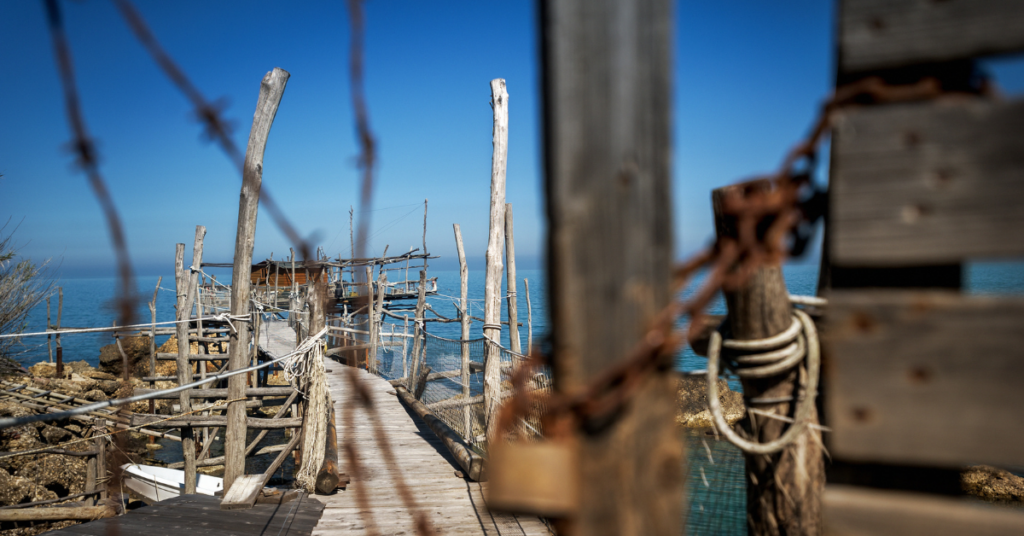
{"x": 715, "y": 485}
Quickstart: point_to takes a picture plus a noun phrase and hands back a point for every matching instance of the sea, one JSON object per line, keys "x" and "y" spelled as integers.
{"x": 715, "y": 482}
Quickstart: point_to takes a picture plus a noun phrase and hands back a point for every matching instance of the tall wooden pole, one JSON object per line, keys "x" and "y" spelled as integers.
{"x": 464, "y": 321}
{"x": 184, "y": 369}
{"x": 783, "y": 489}
{"x": 152, "y": 345}
{"x": 510, "y": 283}
{"x": 607, "y": 73}
{"x": 425, "y": 254}
{"x": 529, "y": 318}
{"x": 370, "y": 324}
{"x": 271, "y": 91}
{"x": 49, "y": 326}
{"x": 417, "y": 341}
{"x": 495, "y": 239}
{"x": 60, "y": 348}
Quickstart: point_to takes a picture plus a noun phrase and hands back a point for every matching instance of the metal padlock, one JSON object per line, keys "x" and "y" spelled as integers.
{"x": 539, "y": 478}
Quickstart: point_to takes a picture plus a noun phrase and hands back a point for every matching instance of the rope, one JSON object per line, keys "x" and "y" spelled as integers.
{"x": 308, "y": 375}
{"x": 221, "y": 317}
{"x": 17, "y": 421}
{"x": 805, "y": 347}
{"x": 109, "y": 434}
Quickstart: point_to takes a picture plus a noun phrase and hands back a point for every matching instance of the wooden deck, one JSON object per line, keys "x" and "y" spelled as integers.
{"x": 200, "y": 515}
{"x": 453, "y": 504}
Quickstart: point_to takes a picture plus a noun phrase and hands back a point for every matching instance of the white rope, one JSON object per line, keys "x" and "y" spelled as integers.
{"x": 807, "y": 348}
{"x": 72, "y": 331}
{"x": 306, "y": 345}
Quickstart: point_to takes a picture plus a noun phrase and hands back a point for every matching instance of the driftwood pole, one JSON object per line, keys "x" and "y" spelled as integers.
{"x": 49, "y": 326}
{"x": 271, "y": 91}
{"x": 60, "y": 349}
{"x": 152, "y": 344}
{"x": 370, "y": 324}
{"x": 510, "y": 283}
{"x": 783, "y": 489}
{"x": 464, "y": 321}
{"x": 184, "y": 370}
{"x": 425, "y": 254}
{"x": 529, "y": 318}
{"x": 492, "y": 283}
{"x": 606, "y": 80}
{"x": 421, "y": 302}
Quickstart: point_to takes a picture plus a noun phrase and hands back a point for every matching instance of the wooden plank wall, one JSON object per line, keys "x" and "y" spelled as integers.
{"x": 920, "y": 381}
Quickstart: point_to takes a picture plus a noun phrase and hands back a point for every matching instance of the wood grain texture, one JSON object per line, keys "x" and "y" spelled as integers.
{"x": 606, "y": 80}
{"x": 495, "y": 245}
{"x": 925, "y": 378}
{"x": 464, "y": 321}
{"x": 453, "y": 504}
{"x": 851, "y": 511}
{"x": 271, "y": 91}
{"x": 927, "y": 183}
{"x": 182, "y": 364}
{"x": 510, "y": 283}
{"x": 883, "y": 34}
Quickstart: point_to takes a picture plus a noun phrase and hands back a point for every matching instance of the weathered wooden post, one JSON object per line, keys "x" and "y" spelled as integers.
{"x": 510, "y": 283}
{"x": 417, "y": 341}
{"x": 60, "y": 349}
{"x": 378, "y": 315}
{"x": 49, "y": 326}
{"x": 370, "y": 324}
{"x": 607, "y": 75}
{"x": 783, "y": 489}
{"x": 529, "y": 318}
{"x": 271, "y": 90}
{"x": 464, "y": 320}
{"x": 185, "y": 283}
{"x": 152, "y": 346}
{"x": 492, "y": 283}
{"x": 293, "y": 302}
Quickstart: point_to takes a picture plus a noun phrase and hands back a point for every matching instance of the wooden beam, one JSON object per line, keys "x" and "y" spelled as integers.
{"x": 223, "y": 393}
{"x": 155, "y": 422}
{"x": 927, "y": 183}
{"x": 607, "y": 113}
{"x": 495, "y": 243}
{"x": 467, "y": 415}
{"x": 924, "y": 378}
{"x": 271, "y": 90}
{"x": 884, "y": 34}
{"x": 853, "y": 511}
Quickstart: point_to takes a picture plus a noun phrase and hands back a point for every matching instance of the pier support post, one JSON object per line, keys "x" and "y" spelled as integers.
{"x": 783, "y": 489}
{"x": 464, "y": 320}
{"x": 495, "y": 243}
{"x": 510, "y": 283}
{"x": 417, "y": 340}
{"x": 607, "y": 74}
{"x": 271, "y": 91}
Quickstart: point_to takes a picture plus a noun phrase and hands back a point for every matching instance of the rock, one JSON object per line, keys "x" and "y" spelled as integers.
{"x": 86, "y": 384}
{"x": 74, "y": 428}
{"x": 136, "y": 348}
{"x": 693, "y": 404}
{"x": 76, "y": 367}
{"x": 109, "y": 387}
{"x": 55, "y": 435}
{"x": 17, "y": 489}
{"x": 993, "y": 485}
{"x": 63, "y": 475}
{"x": 97, "y": 375}
{"x": 43, "y": 370}
{"x": 95, "y": 395}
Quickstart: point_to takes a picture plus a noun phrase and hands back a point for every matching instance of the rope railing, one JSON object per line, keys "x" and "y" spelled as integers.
{"x": 306, "y": 345}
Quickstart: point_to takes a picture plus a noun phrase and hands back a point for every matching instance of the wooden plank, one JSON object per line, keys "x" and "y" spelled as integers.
{"x": 271, "y": 91}
{"x": 925, "y": 378}
{"x": 607, "y": 77}
{"x": 215, "y": 421}
{"x": 222, "y": 393}
{"x": 927, "y": 183}
{"x": 883, "y": 34}
{"x": 242, "y": 493}
{"x": 850, "y": 511}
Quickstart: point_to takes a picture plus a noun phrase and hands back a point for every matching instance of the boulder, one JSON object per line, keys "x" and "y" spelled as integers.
{"x": 97, "y": 375}
{"x": 17, "y": 490}
{"x": 86, "y": 384}
{"x": 55, "y": 435}
{"x": 76, "y": 367}
{"x": 63, "y": 475}
{"x": 135, "y": 348}
{"x": 109, "y": 387}
{"x": 43, "y": 370}
{"x": 993, "y": 485}
{"x": 95, "y": 395}
{"x": 693, "y": 402}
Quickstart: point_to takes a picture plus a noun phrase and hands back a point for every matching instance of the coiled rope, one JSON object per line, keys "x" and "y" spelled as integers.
{"x": 798, "y": 342}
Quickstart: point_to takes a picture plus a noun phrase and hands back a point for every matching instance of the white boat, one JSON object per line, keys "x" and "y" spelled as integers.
{"x": 159, "y": 483}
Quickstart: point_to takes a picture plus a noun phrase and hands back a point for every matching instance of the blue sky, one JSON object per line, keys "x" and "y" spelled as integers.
{"x": 748, "y": 80}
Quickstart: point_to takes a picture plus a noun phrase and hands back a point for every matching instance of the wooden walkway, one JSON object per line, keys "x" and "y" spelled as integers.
{"x": 453, "y": 504}
{"x": 200, "y": 515}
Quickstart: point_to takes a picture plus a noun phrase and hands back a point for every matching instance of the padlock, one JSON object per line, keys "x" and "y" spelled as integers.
{"x": 539, "y": 478}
